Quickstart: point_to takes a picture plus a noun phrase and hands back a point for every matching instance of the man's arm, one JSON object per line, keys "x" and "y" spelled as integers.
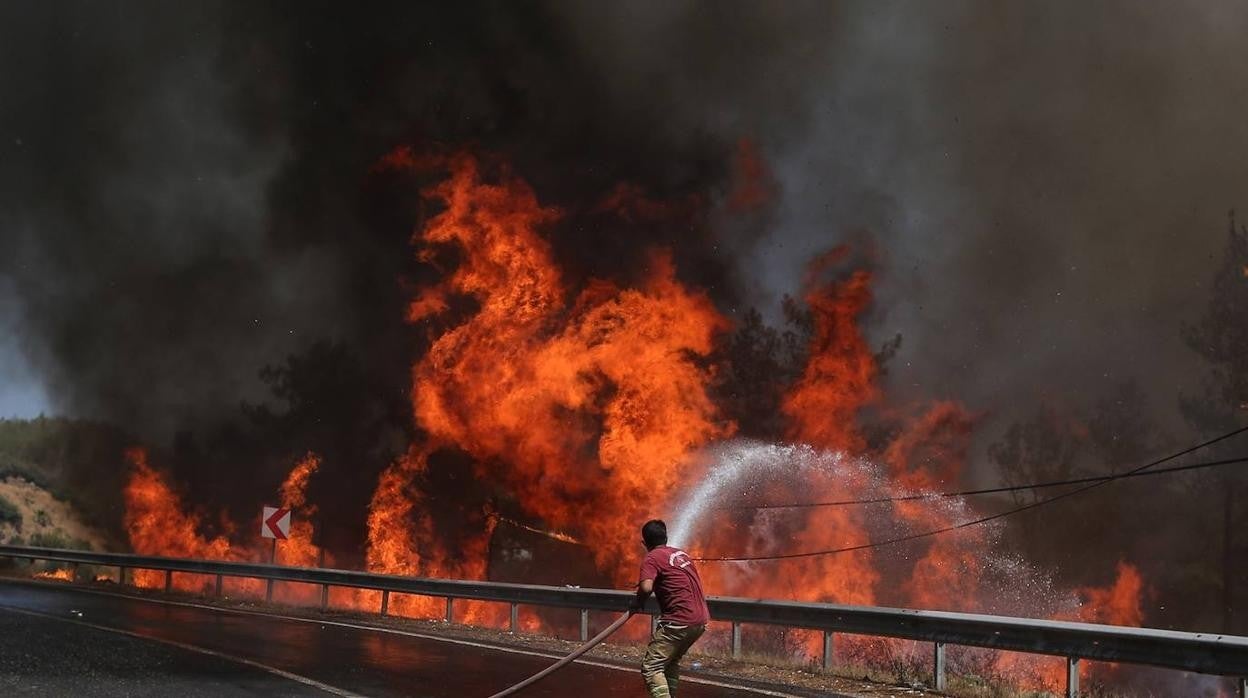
{"x": 644, "y": 588}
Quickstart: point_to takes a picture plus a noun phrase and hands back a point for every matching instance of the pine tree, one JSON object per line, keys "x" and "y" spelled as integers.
{"x": 1221, "y": 339}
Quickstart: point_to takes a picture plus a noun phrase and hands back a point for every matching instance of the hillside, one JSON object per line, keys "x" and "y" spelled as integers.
{"x": 60, "y": 482}
{"x": 30, "y": 515}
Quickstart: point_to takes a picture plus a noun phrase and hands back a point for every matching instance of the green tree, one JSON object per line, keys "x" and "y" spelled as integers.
{"x": 756, "y": 368}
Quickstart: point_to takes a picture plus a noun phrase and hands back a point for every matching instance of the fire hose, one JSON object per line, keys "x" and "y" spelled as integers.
{"x": 593, "y": 642}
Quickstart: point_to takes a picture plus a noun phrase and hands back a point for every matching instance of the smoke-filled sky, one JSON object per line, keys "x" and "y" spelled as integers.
{"x": 185, "y": 192}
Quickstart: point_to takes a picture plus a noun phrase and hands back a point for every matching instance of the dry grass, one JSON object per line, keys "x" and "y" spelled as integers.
{"x": 45, "y": 521}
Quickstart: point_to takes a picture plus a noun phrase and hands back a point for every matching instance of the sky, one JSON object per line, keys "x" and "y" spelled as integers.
{"x": 21, "y": 390}
{"x": 1043, "y": 188}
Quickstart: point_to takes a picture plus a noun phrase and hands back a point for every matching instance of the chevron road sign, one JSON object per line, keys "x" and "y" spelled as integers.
{"x": 275, "y": 523}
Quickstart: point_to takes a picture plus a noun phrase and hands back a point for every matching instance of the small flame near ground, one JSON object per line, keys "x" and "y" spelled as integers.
{"x": 158, "y": 523}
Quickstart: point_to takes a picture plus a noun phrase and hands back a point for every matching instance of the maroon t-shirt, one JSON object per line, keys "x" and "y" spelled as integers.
{"x": 677, "y": 586}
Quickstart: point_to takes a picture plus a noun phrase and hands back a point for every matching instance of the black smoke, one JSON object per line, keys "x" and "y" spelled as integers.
{"x": 186, "y": 191}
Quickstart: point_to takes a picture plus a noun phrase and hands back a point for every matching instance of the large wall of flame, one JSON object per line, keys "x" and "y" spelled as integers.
{"x": 587, "y": 404}
{"x": 583, "y": 406}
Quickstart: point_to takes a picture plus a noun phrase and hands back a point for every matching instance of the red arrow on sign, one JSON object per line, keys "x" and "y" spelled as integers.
{"x": 276, "y": 523}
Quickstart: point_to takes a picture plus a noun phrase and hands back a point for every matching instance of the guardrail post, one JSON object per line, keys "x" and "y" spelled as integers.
{"x": 1072, "y": 677}
{"x": 736, "y": 640}
{"x": 585, "y": 626}
{"x": 450, "y": 610}
{"x": 515, "y": 617}
{"x": 121, "y": 576}
{"x": 385, "y": 601}
{"x": 827, "y": 650}
{"x": 1241, "y": 687}
{"x": 938, "y": 667}
{"x": 168, "y": 581}
{"x": 268, "y": 589}
{"x": 73, "y": 571}
{"x": 220, "y": 584}
{"x": 324, "y": 596}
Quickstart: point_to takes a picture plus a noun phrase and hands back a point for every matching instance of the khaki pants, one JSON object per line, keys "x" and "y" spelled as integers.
{"x": 661, "y": 665}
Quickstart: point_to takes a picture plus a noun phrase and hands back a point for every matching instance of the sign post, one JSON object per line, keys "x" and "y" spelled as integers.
{"x": 275, "y": 524}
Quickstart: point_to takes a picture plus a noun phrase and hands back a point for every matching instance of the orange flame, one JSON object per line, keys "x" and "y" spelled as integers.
{"x": 822, "y": 409}
{"x": 839, "y": 379}
{"x": 593, "y": 405}
{"x": 1117, "y": 604}
{"x": 298, "y": 550}
{"x": 585, "y": 407}
{"x": 929, "y": 456}
{"x": 157, "y": 523}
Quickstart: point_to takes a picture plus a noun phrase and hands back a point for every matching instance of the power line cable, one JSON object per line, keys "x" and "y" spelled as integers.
{"x": 974, "y": 522}
{"x": 993, "y": 490}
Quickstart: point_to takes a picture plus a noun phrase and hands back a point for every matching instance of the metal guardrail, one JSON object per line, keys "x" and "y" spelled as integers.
{"x": 1224, "y": 655}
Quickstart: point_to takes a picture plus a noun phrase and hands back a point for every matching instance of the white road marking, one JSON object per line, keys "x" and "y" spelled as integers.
{"x": 685, "y": 678}
{"x": 192, "y": 648}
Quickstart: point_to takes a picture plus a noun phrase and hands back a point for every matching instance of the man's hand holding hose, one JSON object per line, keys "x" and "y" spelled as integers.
{"x": 644, "y": 589}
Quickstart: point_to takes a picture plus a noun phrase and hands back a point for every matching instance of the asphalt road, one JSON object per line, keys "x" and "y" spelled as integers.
{"x": 58, "y": 641}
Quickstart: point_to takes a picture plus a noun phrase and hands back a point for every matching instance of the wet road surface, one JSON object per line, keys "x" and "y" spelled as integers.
{"x": 45, "y": 655}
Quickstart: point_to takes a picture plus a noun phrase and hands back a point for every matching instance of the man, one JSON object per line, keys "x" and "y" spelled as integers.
{"x": 669, "y": 574}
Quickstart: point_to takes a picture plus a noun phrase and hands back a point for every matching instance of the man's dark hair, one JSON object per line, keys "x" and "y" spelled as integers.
{"x": 654, "y": 533}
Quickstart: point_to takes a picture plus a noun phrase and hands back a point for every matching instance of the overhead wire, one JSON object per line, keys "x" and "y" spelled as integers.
{"x": 975, "y": 522}
{"x": 993, "y": 490}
